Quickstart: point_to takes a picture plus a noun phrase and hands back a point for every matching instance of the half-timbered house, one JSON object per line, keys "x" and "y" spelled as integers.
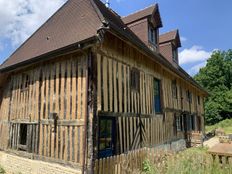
{"x": 90, "y": 84}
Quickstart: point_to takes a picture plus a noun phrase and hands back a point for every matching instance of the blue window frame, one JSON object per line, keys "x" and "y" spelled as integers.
{"x": 157, "y": 96}
{"x": 106, "y": 139}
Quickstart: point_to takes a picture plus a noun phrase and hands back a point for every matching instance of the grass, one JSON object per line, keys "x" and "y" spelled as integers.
{"x": 226, "y": 125}
{"x": 190, "y": 161}
{"x": 2, "y": 171}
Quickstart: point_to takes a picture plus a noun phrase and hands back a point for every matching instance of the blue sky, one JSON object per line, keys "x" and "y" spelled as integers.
{"x": 204, "y": 25}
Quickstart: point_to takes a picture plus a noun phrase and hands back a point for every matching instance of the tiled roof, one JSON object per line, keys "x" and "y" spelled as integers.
{"x": 139, "y": 14}
{"x": 75, "y": 21}
{"x": 170, "y": 36}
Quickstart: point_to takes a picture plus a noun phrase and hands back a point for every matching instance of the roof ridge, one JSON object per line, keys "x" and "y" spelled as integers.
{"x": 177, "y": 30}
{"x": 153, "y": 5}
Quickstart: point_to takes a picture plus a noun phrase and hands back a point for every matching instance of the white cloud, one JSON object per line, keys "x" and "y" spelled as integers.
{"x": 20, "y": 18}
{"x": 195, "y": 69}
{"x": 183, "y": 39}
{"x": 193, "y": 55}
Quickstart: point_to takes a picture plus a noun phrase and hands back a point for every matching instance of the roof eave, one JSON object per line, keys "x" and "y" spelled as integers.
{"x": 53, "y": 54}
{"x": 161, "y": 60}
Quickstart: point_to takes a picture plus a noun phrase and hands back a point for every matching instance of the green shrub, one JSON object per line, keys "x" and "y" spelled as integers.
{"x": 2, "y": 171}
{"x": 226, "y": 125}
{"x": 190, "y": 161}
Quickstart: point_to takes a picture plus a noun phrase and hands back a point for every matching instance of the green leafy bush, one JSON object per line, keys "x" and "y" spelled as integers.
{"x": 191, "y": 161}
{"x": 2, "y": 171}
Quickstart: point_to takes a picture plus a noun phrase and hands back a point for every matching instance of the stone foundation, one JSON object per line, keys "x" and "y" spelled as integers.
{"x": 175, "y": 146}
{"x": 15, "y": 165}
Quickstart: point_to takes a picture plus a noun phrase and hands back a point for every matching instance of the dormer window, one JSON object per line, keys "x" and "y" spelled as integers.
{"x": 152, "y": 35}
{"x": 175, "y": 55}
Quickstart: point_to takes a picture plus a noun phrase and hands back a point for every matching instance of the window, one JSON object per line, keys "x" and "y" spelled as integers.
{"x": 178, "y": 124}
{"x": 174, "y": 89}
{"x": 152, "y": 35}
{"x": 175, "y": 55}
{"x": 198, "y": 99}
{"x": 157, "y": 96}
{"x": 106, "y": 137}
{"x": 23, "y": 137}
{"x": 189, "y": 96}
{"x": 193, "y": 122}
{"x": 135, "y": 79}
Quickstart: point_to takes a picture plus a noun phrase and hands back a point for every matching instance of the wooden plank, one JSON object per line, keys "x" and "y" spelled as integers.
{"x": 74, "y": 79}
{"x": 51, "y": 93}
{"x": 46, "y": 139}
{"x": 84, "y": 87}
{"x": 76, "y": 144}
{"x": 47, "y": 92}
{"x": 58, "y": 78}
{"x": 37, "y": 93}
{"x": 105, "y": 86}
{"x": 125, "y": 88}
{"x": 120, "y": 86}
{"x": 120, "y": 134}
{"x": 66, "y": 144}
{"x": 61, "y": 143}
{"x": 81, "y": 145}
{"x": 110, "y": 66}
{"x": 41, "y": 140}
{"x": 79, "y": 89}
{"x": 49, "y": 140}
{"x": 71, "y": 150}
{"x": 62, "y": 95}
{"x": 99, "y": 84}
{"x": 128, "y": 88}
{"x": 115, "y": 86}
{"x": 68, "y": 84}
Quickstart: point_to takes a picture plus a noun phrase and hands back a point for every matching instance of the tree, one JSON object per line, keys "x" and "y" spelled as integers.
{"x": 216, "y": 78}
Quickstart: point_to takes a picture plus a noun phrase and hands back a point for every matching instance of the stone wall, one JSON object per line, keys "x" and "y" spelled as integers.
{"x": 173, "y": 146}
{"x": 14, "y": 165}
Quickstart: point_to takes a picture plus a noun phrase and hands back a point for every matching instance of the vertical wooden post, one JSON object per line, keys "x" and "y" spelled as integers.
{"x": 92, "y": 112}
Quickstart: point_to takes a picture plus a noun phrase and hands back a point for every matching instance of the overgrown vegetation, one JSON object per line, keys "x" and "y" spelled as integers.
{"x": 216, "y": 78}
{"x": 2, "y": 171}
{"x": 191, "y": 161}
{"x": 226, "y": 125}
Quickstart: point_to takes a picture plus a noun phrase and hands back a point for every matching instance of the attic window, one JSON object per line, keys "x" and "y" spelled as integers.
{"x": 175, "y": 55}
{"x": 152, "y": 35}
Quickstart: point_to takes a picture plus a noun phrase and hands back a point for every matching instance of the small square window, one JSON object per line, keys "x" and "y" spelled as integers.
{"x": 135, "y": 79}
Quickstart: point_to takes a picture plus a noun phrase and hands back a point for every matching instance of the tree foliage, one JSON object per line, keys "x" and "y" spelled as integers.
{"x": 216, "y": 78}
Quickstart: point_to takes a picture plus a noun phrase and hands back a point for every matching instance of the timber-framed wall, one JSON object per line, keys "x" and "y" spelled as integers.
{"x": 50, "y": 100}
{"x": 137, "y": 123}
